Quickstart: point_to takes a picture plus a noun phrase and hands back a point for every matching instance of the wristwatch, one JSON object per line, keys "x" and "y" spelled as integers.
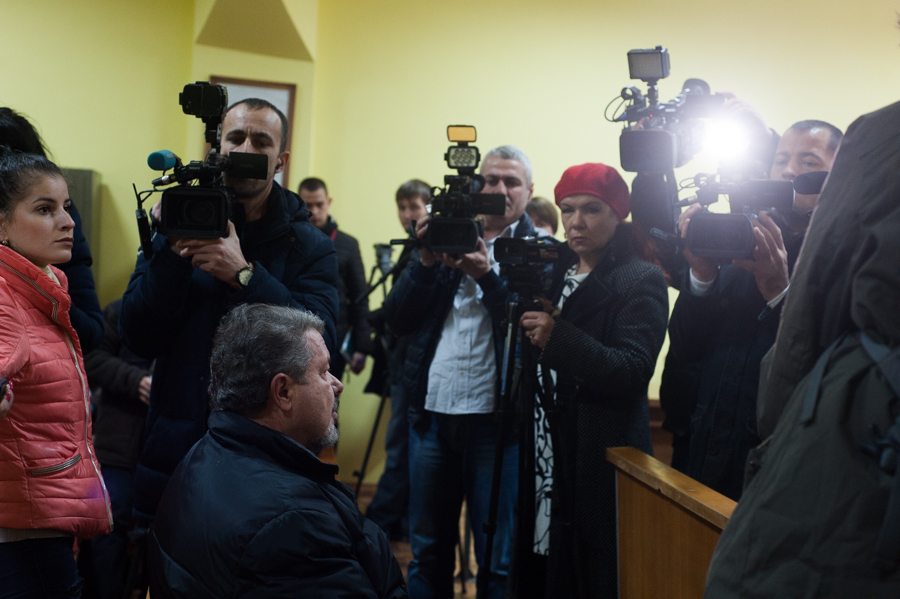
{"x": 242, "y": 277}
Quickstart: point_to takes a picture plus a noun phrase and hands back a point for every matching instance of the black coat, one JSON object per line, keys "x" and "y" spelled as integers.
{"x": 353, "y": 315}
{"x": 170, "y": 312}
{"x": 87, "y": 319}
{"x": 252, "y": 513}
{"x": 418, "y": 305}
{"x": 711, "y": 376}
{"x": 603, "y": 347}
{"x": 116, "y": 373}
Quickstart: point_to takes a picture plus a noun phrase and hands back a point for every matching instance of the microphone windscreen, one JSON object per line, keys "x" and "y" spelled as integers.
{"x": 162, "y": 160}
{"x": 810, "y": 183}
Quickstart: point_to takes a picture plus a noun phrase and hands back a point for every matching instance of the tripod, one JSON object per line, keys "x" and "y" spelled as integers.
{"x": 517, "y": 359}
{"x": 387, "y": 270}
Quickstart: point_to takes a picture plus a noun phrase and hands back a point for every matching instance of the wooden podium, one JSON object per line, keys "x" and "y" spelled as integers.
{"x": 669, "y": 525}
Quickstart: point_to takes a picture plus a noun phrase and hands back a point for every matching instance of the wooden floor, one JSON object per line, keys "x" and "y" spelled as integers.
{"x": 403, "y": 554}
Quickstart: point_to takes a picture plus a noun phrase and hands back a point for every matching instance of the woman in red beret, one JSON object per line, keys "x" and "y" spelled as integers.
{"x": 600, "y": 336}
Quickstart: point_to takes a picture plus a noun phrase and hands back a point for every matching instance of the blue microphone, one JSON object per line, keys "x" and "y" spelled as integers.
{"x": 162, "y": 160}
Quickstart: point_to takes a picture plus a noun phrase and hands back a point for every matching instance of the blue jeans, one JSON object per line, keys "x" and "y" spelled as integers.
{"x": 454, "y": 458}
{"x": 39, "y": 569}
{"x": 390, "y": 506}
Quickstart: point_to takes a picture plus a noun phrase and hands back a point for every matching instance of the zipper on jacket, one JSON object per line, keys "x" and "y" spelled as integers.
{"x": 54, "y": 316}
{"x": 57, "y": 468}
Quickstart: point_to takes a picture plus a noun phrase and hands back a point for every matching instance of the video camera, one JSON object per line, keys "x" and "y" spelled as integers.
{"x": 673, "y": 131}
{"x": 523, "y": 263}
{"x": 453, "y": 228}
{"x": 730, "y": 236}
{"x": 201, "y": 210}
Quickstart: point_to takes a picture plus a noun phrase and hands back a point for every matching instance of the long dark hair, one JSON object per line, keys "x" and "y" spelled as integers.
{"x": 18, "y": 172}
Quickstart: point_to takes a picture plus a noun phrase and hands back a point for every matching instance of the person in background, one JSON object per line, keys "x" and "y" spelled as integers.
{"x": 353, "y": 317}
{"x": 17, "y": 133}
{"x": 455, "y": 308}
{"x": 121, "y": 385}
{"x": 600, "y": 334}
{"x": 50, "y": 481}
{"x": 543, "y": 214}
{"x": 390, "y": 505}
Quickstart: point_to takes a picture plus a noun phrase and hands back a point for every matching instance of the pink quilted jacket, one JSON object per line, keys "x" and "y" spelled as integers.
{"x": 49, "y": 477}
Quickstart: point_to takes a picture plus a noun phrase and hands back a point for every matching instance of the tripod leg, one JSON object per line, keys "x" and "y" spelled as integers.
{"x": 361, "y": 473}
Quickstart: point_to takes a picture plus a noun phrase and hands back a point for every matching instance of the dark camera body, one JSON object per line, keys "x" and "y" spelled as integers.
{"x": 202, "y": 211}
{"x": 453, "y": 228}
{"x": 200, "y": 205}
{"x": 730, "y": 236}
{"x": 523, "y": 263}
{"x": 673, "y": 133}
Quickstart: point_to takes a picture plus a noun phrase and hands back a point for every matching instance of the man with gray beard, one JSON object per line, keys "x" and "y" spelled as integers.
{"x": 251, "y": 511}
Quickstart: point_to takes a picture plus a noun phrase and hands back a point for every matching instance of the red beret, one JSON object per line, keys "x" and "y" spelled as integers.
{"x": 599, "y": 180}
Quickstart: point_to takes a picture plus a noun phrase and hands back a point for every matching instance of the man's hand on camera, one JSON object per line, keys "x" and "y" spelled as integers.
{"x": 475, "y": 264}
{"x": 704, "y": 269}
{"x": 538, "y": 326}
{"x": 425, "y": 256}
{"x": 769, "y": 265}
{"x": 221, "y": 257}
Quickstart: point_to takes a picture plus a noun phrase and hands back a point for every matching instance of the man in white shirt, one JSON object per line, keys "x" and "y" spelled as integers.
{"x": 454, "y": 306}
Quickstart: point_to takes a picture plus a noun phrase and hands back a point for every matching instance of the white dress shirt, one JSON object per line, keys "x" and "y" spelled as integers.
{"x": 462, "y": 378}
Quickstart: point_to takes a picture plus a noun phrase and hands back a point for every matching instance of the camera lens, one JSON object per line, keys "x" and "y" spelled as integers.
{"x": 198, "y": 212}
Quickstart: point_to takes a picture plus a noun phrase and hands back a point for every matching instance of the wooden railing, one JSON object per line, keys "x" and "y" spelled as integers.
{"x": 669, "y": 525}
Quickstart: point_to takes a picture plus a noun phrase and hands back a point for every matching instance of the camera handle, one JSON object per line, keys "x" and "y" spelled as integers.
{"x": 144, "y": 232}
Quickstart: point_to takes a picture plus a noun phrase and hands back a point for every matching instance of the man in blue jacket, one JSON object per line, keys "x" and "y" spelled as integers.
{"x": 454, "y": 306}
{"x": 251, "y": 511}
{"x": 175, "y": 300}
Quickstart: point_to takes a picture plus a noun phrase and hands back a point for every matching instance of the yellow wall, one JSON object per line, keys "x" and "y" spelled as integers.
{"x": 101, "y": 79}
{"x": 390, "y": 75}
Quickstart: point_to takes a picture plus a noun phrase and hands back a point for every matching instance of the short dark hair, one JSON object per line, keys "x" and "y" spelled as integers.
{"x": 17, "y": 133}
{"x": 259, "y": 104}
{"x": 18, "y": 172}
{"x": 255, "y": 342}
{"x": 312, "y": 184}
{"x": 835, "y": 134}
{"x": 414, "y": 188}
{"x": 543, "y": 209}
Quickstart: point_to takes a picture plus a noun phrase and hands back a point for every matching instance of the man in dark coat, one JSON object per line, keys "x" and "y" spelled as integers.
{"x": 120, "y": 382}
{"x": 724, "y": 321}
{"x": 251, "y": 511}
{"x": 353, "y": 316}
{"x": 455, "y": 306}
{"x": 821, "y": 517}
{"x": 175, "y": 300}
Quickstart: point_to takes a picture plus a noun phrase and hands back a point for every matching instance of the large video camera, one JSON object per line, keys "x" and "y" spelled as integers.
{"x": 672, "y": 132}
{"x": 730, "y": 236}
{"x": 453, "y": 228}
{"x": 523, "y": 263}
{"x": 200, "y": 205}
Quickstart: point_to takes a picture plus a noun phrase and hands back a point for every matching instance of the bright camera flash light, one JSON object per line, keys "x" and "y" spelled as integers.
{"x": 726, "y": 139}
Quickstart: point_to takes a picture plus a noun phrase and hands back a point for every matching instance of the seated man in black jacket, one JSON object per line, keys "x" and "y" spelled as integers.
{"x": 726, "y": 318}
{"x": 251, "y": 511}
{"x": 353, "y": 316}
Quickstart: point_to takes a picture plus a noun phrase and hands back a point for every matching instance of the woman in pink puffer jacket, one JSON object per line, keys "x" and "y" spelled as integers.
{"x": 50, "y": 484}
